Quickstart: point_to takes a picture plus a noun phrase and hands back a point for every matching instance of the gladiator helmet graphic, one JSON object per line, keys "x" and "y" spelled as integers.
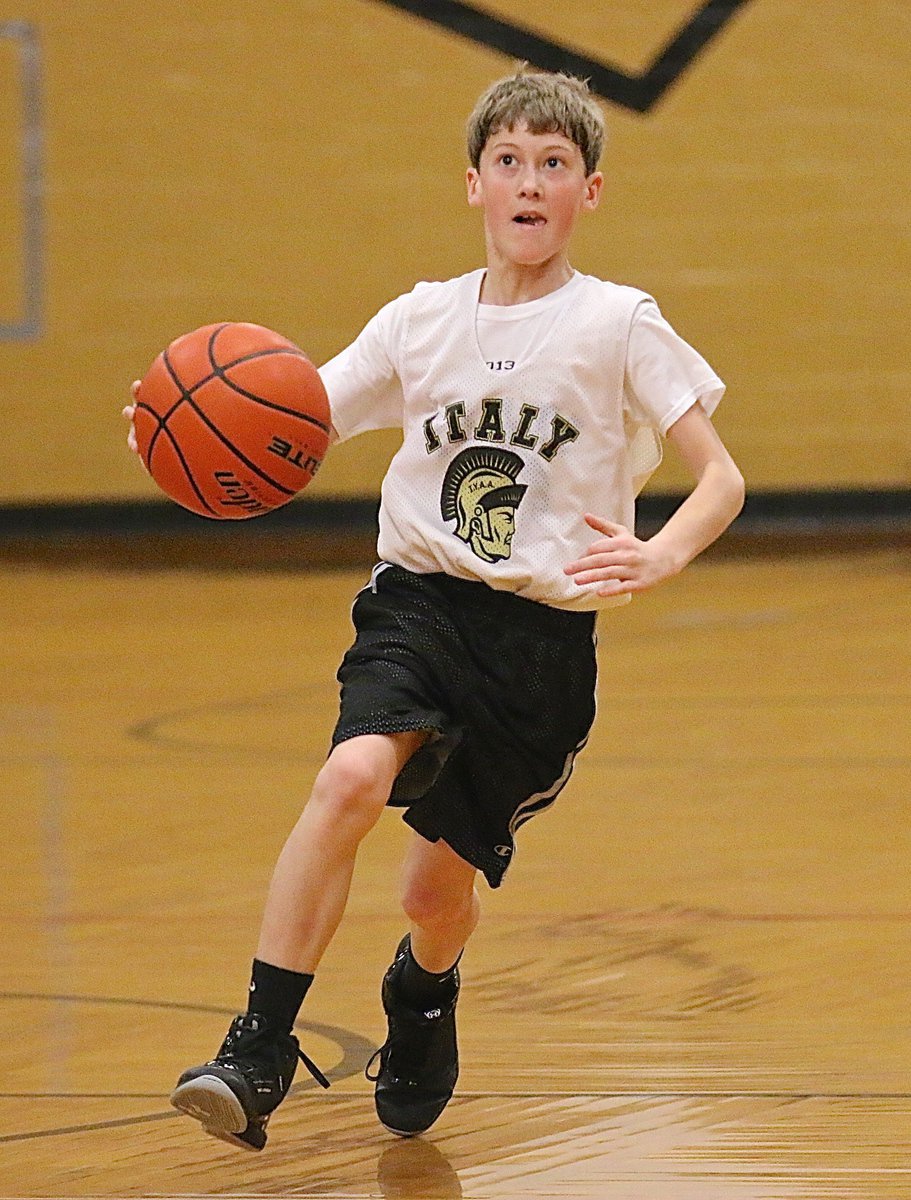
{"x": 481, "y": 495}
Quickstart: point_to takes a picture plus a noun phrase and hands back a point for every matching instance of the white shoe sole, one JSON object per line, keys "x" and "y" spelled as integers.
{"x": 210, "y": 1101}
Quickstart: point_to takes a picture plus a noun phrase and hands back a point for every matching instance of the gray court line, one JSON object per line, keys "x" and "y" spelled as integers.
{"x": 36, "y": 726}
{"x": 57, "y": 882}
{"x": 30, "y": 325}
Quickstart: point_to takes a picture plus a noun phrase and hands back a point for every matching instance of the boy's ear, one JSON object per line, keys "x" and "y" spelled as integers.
{"x": 473, "y": 184}
{"x": 593, "y": 186}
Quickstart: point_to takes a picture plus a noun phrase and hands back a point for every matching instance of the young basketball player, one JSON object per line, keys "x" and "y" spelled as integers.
{"x": 532, "y": 400}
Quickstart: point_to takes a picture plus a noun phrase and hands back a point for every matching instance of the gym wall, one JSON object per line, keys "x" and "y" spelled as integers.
{"x": 166, "y": 165}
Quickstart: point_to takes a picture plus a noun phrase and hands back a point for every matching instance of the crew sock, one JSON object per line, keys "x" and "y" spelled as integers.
{"x": 277, "y": 994}
{"x": 420, "y": 987}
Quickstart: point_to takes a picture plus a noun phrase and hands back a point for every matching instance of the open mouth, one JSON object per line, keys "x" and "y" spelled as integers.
{"x": 531, "y": 219}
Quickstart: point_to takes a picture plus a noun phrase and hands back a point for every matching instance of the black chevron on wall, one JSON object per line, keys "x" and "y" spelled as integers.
{"x": 637, "y": 92}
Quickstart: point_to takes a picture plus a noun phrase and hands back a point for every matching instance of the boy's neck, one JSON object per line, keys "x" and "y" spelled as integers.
{"x": 509, "y": 283}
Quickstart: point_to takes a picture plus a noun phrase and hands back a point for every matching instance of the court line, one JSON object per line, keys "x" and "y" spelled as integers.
{"x": 148, "y": 1118}
{"x": 684, "y": 916}
{"x": 355, "y": 1048}
{"x": 80, "y": 1095}
{"x": 62, "y": 1131}
{"x": 155, "y": 730}
{"x": 587, "y": 1094}
{"x": 39, "y": 725}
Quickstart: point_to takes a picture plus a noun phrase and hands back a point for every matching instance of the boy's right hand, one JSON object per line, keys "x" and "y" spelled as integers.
{"x": 128, "y": 412}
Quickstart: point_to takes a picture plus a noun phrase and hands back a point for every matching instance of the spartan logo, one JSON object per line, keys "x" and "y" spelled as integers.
{"x": 481, "y": 495}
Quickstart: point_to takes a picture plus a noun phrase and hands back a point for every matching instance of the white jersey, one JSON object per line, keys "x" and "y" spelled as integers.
{"x": 511, "y": 434}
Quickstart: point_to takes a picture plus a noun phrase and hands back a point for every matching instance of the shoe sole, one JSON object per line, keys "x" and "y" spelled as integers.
{"x": 402, "y": 1133}
{"x": 210, "y": 1101}
{"x": 429, "y": 1120}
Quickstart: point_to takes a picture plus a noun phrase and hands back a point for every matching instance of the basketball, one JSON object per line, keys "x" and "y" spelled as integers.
{"x": 232, "y": 420}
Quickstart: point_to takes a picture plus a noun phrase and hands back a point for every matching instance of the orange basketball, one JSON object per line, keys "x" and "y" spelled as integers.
{"x": 232, "y": 420}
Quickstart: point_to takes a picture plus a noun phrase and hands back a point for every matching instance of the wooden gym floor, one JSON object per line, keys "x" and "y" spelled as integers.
{"x": 695, "y": 983}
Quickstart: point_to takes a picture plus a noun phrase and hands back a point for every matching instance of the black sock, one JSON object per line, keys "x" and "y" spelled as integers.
{"x": 277, "y": 994}
{"x": 420, "y": 986}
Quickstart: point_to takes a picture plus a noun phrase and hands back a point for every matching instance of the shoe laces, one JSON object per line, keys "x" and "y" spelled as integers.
{"x": 250, "y": 1036}
{"x": 313, "y": 1068}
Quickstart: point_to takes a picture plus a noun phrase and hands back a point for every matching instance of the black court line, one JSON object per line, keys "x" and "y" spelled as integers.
{"x": 356, "y": 1050}
{"x": 80, "y": 1095}
{"x": 63, "y": 1130}
{"x": 638, "y": 93}
{"x": 795, "y": 1097}
{"x": 154, "y": 730}
{"x": 150, "y": 728}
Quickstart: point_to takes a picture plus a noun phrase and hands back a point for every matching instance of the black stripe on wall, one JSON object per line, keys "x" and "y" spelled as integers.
{"x": 636, "y": 92}
{"x": 831, "y": 508}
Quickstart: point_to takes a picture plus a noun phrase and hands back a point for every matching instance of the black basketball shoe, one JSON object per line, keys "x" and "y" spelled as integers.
{"x": 419, "y": 1061}
{"x": 234, "y": 1095}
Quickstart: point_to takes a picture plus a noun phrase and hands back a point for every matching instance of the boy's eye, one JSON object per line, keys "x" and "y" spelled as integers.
{"x": 507, "y": 160}
{"x": 553, "y": 161}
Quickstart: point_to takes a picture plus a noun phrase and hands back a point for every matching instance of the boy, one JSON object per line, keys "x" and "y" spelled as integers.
{"x": 531, "y": 399}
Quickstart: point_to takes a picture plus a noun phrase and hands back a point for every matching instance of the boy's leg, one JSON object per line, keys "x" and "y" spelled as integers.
{"x": 441, "y": 901}
{"x": 419, "y": 1062}
{"x": 312, "y": 877}
{"x": 234, "y": 1094}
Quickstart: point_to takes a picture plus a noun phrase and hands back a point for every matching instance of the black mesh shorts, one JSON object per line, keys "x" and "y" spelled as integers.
{"x": 505, "y": 685}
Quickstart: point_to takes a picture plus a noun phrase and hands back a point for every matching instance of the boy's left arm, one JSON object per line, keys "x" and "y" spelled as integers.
{"x": 625, "y": 563}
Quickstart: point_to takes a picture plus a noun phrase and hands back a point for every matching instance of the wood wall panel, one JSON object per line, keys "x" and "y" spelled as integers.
{"x": 298, "y": 164}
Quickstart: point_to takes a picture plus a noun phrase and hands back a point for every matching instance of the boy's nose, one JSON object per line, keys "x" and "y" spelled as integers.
{"x": 529, "y": 183}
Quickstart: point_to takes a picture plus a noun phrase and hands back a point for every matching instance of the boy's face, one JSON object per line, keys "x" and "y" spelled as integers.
{"x": 532, "y": 188}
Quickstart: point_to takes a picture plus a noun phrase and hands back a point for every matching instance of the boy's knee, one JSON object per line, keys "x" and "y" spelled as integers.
{"x": 352, "y": 784}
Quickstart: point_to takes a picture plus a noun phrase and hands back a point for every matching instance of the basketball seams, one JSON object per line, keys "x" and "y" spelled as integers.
{"x": 210, "y": 348}
{"x": 185, "y": 395}
{"x": 216, "y": 422}
{"x": 221, "y": 372}
{"x": 162, "y": 428}
{"x": 189, "y": 474}
{"x": 321, "y": 425}
{"x": 154, "y": 438}
{"x": 163, "y": 420}
{"x": 225, "y": 441}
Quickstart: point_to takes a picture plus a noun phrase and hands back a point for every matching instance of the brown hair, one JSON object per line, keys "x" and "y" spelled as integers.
{"x": 546, "y": 103}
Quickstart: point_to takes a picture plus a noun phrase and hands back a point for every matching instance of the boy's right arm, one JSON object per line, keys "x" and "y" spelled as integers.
{"x": 361, "y": 381}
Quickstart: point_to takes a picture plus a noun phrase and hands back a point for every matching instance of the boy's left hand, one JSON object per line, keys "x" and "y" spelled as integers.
{"x": 620, "y": 560}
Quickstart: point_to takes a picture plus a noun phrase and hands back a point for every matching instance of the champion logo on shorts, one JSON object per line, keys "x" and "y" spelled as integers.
{"x": 503, "y": 851}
